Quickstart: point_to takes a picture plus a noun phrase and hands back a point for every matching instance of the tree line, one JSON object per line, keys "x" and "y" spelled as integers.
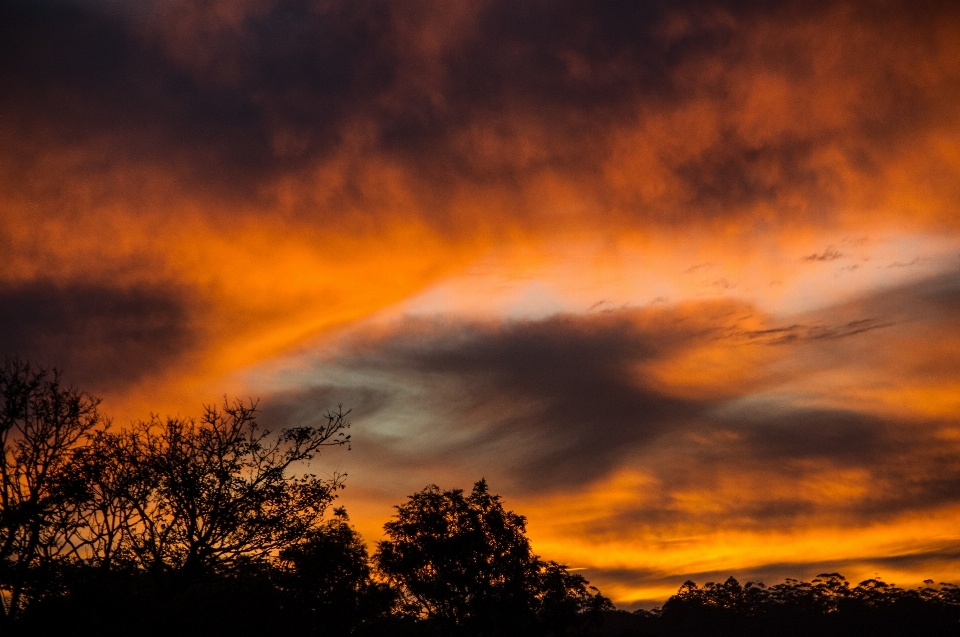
{"x": 184, "y": 526}
{"x": 827, "y": 606}
{"x": 215, "y": 526}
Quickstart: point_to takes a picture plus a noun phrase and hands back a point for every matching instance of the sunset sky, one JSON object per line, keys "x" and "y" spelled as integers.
{"x": 681, "y": 279}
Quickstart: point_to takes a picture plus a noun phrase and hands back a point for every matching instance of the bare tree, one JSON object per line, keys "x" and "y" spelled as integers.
{"x": 41, "y": 425}
{"x": 204, "y": 498}
{"x": 181, "y": 499}
{"x": 101, "y": 516}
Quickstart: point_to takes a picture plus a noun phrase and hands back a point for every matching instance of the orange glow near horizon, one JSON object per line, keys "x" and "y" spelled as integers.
{"x": 662, "y": 554}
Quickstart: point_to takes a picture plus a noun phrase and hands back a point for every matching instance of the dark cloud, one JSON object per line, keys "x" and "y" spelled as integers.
{"x": 103, "y": 338}
{"x": 843, "y": 436}
{"x": 830, "y": 254}
{"x": 308, "y": 407}
{"x": 78, "y": 74}
{"x": 908, "y": 467}
{"x": 572, "y": 74}
{"x": 934, "y": 297}
{"x": 561, "y": 402}
{"x": 564, "y": 386}
{"x": 230, "y": 104}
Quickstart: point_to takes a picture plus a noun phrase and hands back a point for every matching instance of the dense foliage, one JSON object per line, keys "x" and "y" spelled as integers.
{"x": 825, "y": 606}
{"x": 465, "y": 565}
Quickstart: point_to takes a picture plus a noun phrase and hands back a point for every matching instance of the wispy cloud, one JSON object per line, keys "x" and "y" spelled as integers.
{"x": 830, "y": 254}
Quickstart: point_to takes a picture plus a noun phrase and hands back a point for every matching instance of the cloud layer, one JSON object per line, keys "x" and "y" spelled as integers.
{"x": 707, "y": 419}
{"x": 692, "y": 262}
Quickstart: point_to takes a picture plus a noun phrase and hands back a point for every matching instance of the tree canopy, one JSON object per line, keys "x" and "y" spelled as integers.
{"x": 206, "y": 497}
{"x": 465, "y": 563}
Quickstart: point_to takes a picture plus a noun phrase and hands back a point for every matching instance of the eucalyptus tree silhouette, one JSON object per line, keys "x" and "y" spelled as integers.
{"x": 827, "y": 605}
{"x": 464, "y": 564}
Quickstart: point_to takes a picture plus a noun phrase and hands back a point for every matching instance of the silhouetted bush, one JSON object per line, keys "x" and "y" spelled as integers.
{"x": 327, "y": 582}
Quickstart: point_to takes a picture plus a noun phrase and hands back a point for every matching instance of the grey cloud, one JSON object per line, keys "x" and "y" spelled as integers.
{"x": 307, "y": 407}
{"x": 558, "y": 403}
{"x": 564, "y": 386}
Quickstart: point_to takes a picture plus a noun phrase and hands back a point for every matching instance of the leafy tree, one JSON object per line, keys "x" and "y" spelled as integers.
{"x": 464, "y": 563}
{"x": 177, "y": 521}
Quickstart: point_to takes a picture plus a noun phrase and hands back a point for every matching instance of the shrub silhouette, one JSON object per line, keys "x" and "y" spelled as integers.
{"x": 328, "y": 580}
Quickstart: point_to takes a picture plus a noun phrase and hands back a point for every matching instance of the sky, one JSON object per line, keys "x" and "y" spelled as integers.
{"x": 680, "y": 279}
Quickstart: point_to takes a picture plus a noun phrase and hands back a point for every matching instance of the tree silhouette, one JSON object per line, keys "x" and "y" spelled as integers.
{"x": 464, "y": 563}
{"x": 328, "y": 580}
{"x": 827, "y": 605}
{"x": 209, "y": 526}
{"x": 41, "y": 423}
{"x": 206, "y": 498}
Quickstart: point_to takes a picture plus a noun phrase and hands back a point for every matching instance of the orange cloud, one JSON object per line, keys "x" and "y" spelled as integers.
{"x": 695, "y": 263}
